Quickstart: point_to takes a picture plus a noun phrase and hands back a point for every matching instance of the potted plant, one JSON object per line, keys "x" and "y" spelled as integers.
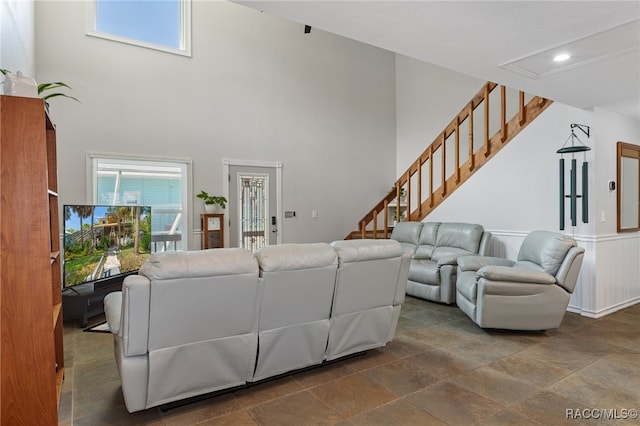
{"x": 44, "y": 88}
{"x": 212, "y": 202}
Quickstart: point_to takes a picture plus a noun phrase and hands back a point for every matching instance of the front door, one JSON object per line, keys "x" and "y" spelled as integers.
{"x": 253, "y": 210}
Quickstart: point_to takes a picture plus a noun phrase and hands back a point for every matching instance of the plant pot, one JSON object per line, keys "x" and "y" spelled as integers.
{"x": 211, "y": 208}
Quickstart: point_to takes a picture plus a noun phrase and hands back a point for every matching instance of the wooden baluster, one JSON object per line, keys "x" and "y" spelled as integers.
{"x": 398, "y": 217}
{"x": 408, "y": 195}
{"x": 375, "y": 224}
{"x": 471, "y": 157}
{"x": 363, "y": 228}
{"x": 457, "y": 150}
{"x": 419, "y": 197}
{"x": 386, "y": 219}
{"x": 521, "y": 109}
{"x": 443, "y": 172}
{"x": 430, "y": 175}
{"x": 487, "y": 150}
{"x": 503, "y": 113}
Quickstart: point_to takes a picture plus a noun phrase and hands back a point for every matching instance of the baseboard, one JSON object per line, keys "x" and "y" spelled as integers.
{"x": 603, "y": 312}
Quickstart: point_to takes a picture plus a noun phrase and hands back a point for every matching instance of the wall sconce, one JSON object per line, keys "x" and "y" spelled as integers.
{"x": 573, "y": 196}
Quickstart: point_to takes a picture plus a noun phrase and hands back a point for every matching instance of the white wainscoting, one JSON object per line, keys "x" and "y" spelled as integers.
{"x": 610, "y": 275}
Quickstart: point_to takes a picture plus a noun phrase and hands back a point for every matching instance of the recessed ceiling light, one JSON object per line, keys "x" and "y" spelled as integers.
{"x": 561, "y": 57}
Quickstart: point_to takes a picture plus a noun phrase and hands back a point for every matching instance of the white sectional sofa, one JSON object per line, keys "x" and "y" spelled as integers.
{"x": 192, "y": 323}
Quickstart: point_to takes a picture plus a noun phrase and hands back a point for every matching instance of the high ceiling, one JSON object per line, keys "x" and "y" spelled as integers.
{"x": 508, "y": 42}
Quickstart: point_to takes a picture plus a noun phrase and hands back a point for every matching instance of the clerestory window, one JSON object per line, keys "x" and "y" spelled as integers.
{"x": 157, "y": 24}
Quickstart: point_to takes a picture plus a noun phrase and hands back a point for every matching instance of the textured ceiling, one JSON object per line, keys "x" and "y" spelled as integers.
{"x": 477, "y": 37}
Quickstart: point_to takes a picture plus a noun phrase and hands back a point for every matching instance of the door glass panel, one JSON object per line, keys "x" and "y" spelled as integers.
{"x": 254, "y": 208}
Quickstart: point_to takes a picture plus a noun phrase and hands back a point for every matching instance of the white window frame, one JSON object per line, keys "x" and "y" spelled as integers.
{"x": 185, "y": 31}
{"x": 92, "y": 183}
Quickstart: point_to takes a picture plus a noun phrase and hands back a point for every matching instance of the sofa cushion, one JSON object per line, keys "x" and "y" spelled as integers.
{"x": 200, "y": 263}
{"x": 407, "y": 233}
{"x": 424, "y": 271}
{"x": 465, "y": 236}
{"x": 361, "y": 250}
{"x": 427, "y": 241}
{"x": 547, "y": 249}
{"x": 287, "y": 257}
{"x": 448, "y": 255}
{"x": 529, "y": 266}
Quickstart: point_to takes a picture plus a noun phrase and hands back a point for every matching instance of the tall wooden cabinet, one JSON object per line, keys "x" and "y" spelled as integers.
{"x": 31, "y": 350}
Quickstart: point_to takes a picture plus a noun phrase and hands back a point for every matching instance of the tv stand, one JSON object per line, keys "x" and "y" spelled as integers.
{"x": 83, "y": 302}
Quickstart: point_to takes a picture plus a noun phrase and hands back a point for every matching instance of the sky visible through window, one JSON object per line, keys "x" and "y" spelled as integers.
{"x": 150, "y": 21}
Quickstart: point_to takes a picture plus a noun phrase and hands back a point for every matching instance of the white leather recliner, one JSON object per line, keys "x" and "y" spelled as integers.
{"x": 531, "y": 293}
{"x": 366, "y": 309}
{"x": 189, "y": 325}
{"x": 297, "y": 293}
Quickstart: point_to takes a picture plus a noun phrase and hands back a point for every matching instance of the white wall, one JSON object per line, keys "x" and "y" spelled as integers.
{"x": 428, "y": 97}
{"x": 616, "y": 281}
{"x": 256, "y": 88}
{"x": 517, "y": 191}
{"x": 17, "y": 37}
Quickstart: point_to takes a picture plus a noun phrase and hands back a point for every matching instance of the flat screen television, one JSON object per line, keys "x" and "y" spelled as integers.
{"x": 103, "y": 244}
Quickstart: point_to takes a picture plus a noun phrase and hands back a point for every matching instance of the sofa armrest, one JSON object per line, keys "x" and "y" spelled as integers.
{"x": 475, "y": 262}
{"x": 485, "y": 244}
{"x": 113, "y": 311}
{"x": 505, "y": 273}
{"x": 134, "y": 326}
{"x": 451, "y": 259}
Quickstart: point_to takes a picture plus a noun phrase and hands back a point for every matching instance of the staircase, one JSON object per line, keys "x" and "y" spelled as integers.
{"x": 462, "y": 148}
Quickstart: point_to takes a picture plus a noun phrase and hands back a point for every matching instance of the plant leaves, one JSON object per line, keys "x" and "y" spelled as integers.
{"x": 53, "y": 95}
{"x": 48, "y": 86}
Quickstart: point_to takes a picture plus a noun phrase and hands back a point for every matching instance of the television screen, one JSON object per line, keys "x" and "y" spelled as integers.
{"x": 104, "y": 242}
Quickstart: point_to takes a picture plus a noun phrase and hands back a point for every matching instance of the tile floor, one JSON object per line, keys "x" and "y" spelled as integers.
{"x": 441, "y": 369}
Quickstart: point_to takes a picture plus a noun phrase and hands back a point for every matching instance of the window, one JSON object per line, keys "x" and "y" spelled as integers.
{"x": 156, "y": 24}
{"x": 161, "y": 184}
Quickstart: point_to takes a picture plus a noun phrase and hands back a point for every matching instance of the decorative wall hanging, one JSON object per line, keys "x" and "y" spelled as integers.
{"x": 573, "y": 196}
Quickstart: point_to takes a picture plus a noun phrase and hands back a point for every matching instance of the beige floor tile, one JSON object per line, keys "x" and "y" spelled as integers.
{"x": 507, "y": 418}
{"x": 321, "y": 375}
{"x": 453, "y": 404}
{"x": 267, "y": 391}
{"x": 404, "y": 345}
{"x": 620, "y": 369}
{"x": 396, "y": 413}
{"x": 595, "y": 393}
{"x": 200, "y": 411}
{"x": 370, "y": 359}
{"x": 495, "y": 385}
{"x": 294, "y": 410}
{"x": 526, "y": 367}
{"x": 441, "y": 337}
{"x": 236, "y": 418}
{"x": 402, "y": 377}
{"x": 549, "y": 408}
{"x": 442, "y": 364}
{"x": 353, "y": 395}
